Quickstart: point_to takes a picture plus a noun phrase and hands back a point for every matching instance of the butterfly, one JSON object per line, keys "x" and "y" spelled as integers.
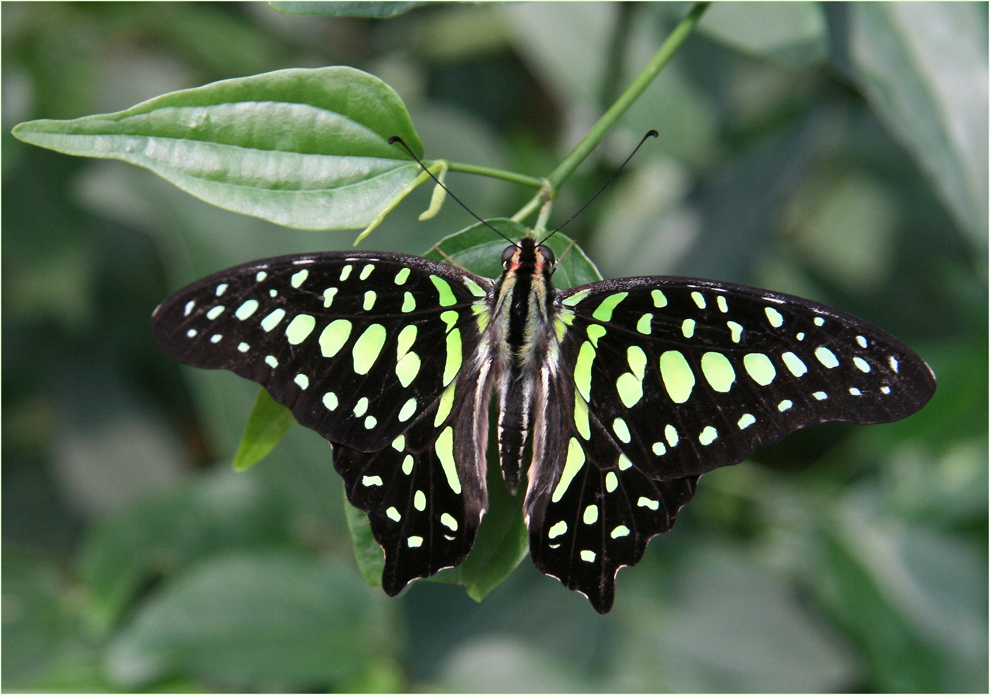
{"x": 623, "y": 391}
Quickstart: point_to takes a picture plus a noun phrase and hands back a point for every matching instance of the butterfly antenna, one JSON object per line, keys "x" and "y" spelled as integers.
{"x": 651, "y": 134}
{"x": 396, "y": 139}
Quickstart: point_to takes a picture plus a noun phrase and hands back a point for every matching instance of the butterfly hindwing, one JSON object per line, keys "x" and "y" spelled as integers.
{"x": 375, "y": 352}
{"x": 589, "y": 511}
{"x": 425, "y": 494}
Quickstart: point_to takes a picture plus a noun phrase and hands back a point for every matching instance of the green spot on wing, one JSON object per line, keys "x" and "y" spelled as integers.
{"x": 454, "y": 357}
{"x": 575, "y": 298}
{"x": 826, "y": 357}
{"x": 595, "y": 332}
{"x": 246, "y": 309}
{"x": 474, "y": 288}
{"x": 582, "y": 370}
{"x": 407, "y": 368}
{"x": 272, "y": 320}
{"x": 678, "y": 378}
{"x": 794, "y": 364}
{"x": 407, "y": 336}
{"x": 367, "y": 348}
{"x": 334, "y": 336}
{"x": 581, "y": 421}
{"x": 760, "y": 368}
{"x": 637, "y": 361}
{"x": 629, "y": 388}
{"x": 443, "y": 409}
{"x": 644, "y": 325}
{"x": 572, "y": 464}
{"x": 718, "y": 371}
{"x": 444, "y": 447}
{"x": 446, "y": 294}
{"x": 299, "y": 328}
{"x": 605, "y": 309}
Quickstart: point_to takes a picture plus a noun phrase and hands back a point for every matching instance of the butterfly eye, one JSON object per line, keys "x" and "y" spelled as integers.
{"x": 507, "y": 255}
{"x": 547, "y": 254}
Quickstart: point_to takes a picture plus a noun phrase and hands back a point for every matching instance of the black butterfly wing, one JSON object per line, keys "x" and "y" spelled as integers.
{"x": 371, "y": 351}
{"x": 689, "y": 375}
{"x": 663, "y": 379}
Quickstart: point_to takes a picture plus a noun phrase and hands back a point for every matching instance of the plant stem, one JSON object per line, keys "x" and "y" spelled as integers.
{"x": 512, "y": 176}
{"x": 628, "y": 97}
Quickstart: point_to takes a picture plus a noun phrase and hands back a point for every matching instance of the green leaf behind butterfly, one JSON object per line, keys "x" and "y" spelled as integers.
{"x": 478, "y": 250}
{"x": 369, "y": 555}
{"x": 304, "y": 148}
{"x": 266, "y": 425}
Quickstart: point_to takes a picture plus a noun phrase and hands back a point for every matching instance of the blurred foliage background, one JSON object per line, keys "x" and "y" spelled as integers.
{"x": 835, "y": 151}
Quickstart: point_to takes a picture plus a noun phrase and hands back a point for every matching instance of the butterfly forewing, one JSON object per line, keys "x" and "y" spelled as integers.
{"x": 686, "y": 375}
{"x": 369, "y": 350}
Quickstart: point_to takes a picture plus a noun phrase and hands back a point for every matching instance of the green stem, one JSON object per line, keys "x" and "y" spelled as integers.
{"x": 529, "y": 208}
{"x": 512, "y": 176}
{"x": 628, "y": 97}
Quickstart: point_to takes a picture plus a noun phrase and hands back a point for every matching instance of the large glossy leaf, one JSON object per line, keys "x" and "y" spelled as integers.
{"x": 305, "y": 148}
{"x": 923, "y": 68}
{"x": 250, "y": 618}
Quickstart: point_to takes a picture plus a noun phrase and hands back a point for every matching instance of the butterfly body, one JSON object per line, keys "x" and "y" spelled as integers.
{"x": 523, "y": 311}
{"x": 625, "y": 391}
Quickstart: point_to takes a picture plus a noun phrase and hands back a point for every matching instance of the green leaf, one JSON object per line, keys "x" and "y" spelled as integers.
{"x": 266, "y": 425}
{"x": 249, "y": 618}
{"x": 305, "y": 148}
{"x": 369, "y": 555}
{"x": 374, "y": 10}
{"x": 923, "y": 68}
{"x": 162, "y": 535}
{"x": 478, "y": 249}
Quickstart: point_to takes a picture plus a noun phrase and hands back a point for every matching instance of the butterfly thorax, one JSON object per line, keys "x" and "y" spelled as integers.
{"x": 522, "y": 320}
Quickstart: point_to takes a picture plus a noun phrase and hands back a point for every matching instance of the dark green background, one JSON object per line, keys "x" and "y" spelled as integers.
{"x": 799, "y": 151}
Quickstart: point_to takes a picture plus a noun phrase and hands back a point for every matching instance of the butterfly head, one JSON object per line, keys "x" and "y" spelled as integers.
{"x": 528, "y": 256}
